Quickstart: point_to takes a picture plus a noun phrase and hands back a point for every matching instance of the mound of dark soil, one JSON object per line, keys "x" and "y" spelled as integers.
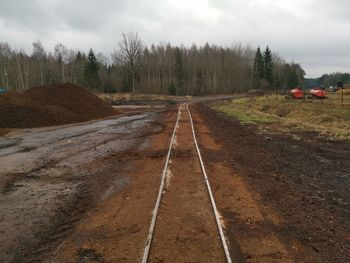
{"x": 51, "y": 105}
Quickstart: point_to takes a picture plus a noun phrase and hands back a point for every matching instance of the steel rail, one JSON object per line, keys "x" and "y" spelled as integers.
{"x": 217, "y": 217}
{"x": 159, "y": 197}
{"x": 156, "y": 208}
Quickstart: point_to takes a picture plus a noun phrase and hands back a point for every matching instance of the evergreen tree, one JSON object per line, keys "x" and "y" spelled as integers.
{"x": 79, "y": 66}
{"x": 198, "y": 89}
{"x": 258, "y": 70}
{"x": 179, "y": 74}
{"x": 209, "y": 69}
{"x": 172, "y": 89}
{"x": 267, "y": 58}
{"x": 292, "y": 77}
{"x": 91, "y": 71}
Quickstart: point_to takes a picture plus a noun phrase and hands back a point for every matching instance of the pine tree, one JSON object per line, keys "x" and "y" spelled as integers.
{"x": 292, "y": 76}
{"x": 91, "y": 71}
{"x": 267, "y": 58}
{"x": 79, "y": 66}
{"x": 258, "y": 70}
{"x": 198, "y": 89}
{"x": 172, "y": 89}
{"x": 179, "y": 74}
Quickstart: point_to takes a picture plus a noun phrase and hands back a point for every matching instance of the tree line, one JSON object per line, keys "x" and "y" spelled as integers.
{"x": 159, "y": 69}
{"x": 270, "y": 71}
{"x": 327, "y": 80}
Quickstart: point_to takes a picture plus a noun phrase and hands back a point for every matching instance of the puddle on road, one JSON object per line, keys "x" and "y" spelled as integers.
{"x": 53, "y": 161}
{"x": 145, "y": 144}
{"x": 118, "y": 185}
{"x": 38, "y": 137}
{"x": 5, "y": 142}
{"x": 69, "y": 145}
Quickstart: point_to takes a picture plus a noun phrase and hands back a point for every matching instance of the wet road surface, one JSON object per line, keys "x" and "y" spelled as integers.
{"x": 44, "y": 171}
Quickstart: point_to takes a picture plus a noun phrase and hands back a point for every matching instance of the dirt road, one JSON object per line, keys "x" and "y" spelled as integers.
{"x": 86, "y": 193}
{"x": 50, "y": 176}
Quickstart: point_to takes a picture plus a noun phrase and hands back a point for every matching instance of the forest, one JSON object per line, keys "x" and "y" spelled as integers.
{"x": 328, "y": 80}
{"x": 158, "y": 69}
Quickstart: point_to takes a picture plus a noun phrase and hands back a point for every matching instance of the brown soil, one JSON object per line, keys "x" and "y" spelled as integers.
{"x": 116, "y": 229}
{"x": 274, "y": 208}
{"x": 282, "y": 199}
{"x": 41, "y": 207}
{"x": 4, "y": 132}
{"x": 51, "y": 105}
{"x": 185, "y": 230}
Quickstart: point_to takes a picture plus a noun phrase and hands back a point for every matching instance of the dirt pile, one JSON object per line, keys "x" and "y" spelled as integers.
{"x": 51, "y": 105}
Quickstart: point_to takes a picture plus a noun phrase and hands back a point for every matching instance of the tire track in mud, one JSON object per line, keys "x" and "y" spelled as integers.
{"x": 115, "y": 230}
{"x": 59, "y": 219}
{"x": 47, "y": 161}
{"x": 61, "y": 225}
{"x": 25, "y": 148}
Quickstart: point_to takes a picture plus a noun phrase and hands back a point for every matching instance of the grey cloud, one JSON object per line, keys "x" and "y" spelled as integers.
{"x": 88, "y": 15}
{"x": 311, "y": 32}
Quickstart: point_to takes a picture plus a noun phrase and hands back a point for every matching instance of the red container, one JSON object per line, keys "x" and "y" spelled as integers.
{"x": 318, "y": 92}
{"x": 297, "y": 93}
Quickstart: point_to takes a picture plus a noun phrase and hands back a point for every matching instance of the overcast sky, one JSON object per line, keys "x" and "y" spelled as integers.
{"x": 314, "y": 33}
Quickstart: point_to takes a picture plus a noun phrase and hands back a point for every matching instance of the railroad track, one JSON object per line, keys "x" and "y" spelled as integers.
{"x": 155, "y": 213}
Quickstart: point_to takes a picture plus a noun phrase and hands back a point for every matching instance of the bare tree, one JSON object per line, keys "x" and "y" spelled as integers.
{"x": 160, "y": 69}
{"x": 5, "y": 56}
{"x": 71, "y": 55}
{"x": 102, "y": 59}
{"x": 19, "y": 70}
{"x": 61, "y": 54}
{"x": 39, "y": 56}
{"x": 130, "y": 53}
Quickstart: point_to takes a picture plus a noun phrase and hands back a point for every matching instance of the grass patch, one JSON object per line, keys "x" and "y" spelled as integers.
{"x": 245, "y": 117}
{"x": 327, "y": 117}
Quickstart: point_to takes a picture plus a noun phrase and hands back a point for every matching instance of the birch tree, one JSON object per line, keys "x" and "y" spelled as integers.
{"x": 39, "y": 56}
{"x": 61, "y": 54}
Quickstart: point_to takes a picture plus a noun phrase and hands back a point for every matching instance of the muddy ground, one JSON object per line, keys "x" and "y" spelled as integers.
{"x": 50, "y": 177}
{"x": 297, "y": 182}
{"x": 85, "y": 192}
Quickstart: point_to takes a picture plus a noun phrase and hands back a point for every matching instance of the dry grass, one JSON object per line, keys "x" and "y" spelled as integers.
{"x": 327, "y": 117}
{"x": 345, "y": 91}
{"x": 3, "y": 132}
